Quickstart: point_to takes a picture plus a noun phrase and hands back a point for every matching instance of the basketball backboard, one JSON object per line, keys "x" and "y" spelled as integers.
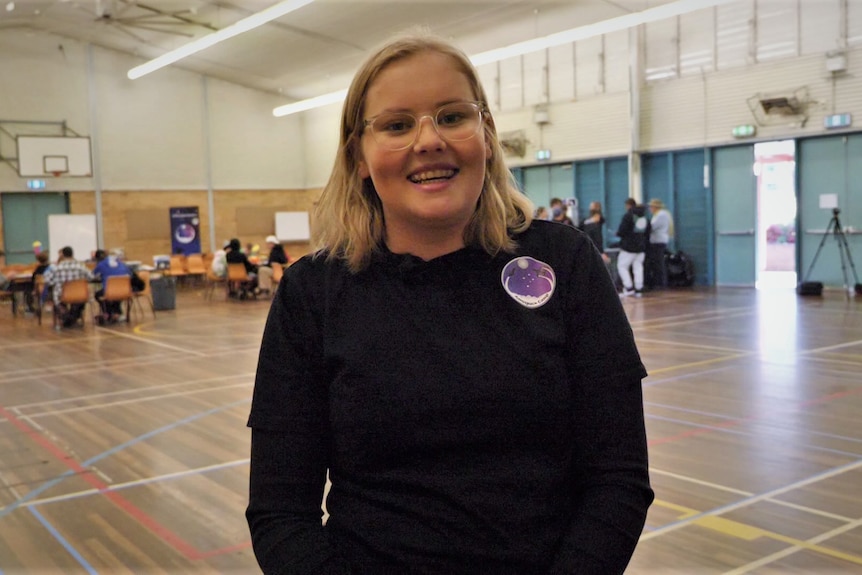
{"x": 47, "y": 156}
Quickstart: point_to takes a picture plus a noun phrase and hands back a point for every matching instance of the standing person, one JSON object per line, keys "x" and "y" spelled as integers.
{"x": 466, "y": 375}
{"x": 276, "y": 256}
{"x": 594, "y": 227}
{"x": 66, "y": 269}
{"x": 558, "y": 213}
{"x": 633, "y": 232}
{"x": 661, "y": 229}
{"x": 541, "y": 213}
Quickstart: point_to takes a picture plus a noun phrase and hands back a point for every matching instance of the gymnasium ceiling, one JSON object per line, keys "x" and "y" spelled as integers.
{"x": 311, "y": 51}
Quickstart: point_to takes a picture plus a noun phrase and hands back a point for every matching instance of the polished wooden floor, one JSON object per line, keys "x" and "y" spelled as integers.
{"x": 123, "y": 449}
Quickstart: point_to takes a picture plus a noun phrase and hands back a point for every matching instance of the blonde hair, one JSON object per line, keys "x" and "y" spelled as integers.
{"x": 349, "y": 216}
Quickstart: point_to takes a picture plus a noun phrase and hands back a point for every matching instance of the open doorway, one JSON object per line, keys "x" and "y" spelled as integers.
{"x": 775, "y": 168}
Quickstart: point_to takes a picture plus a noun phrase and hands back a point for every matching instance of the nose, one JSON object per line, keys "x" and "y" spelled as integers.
{"x": 428, "y": 138}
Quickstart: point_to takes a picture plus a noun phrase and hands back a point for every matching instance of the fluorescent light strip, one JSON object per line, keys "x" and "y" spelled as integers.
{"x": 244, "y": 25}
{"x": 566, "y": 37}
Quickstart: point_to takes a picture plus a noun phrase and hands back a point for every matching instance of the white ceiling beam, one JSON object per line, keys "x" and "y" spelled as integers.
{"x": 669, "y": 10}
{"x": 204, "y": 42}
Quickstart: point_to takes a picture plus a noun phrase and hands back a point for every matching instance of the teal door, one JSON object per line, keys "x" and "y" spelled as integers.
{"x": 537, "y": 185}
{"x": 830, "y": 174}
{"x": 735, "y": 197}
{"x": 25, "y": 220}
{"x": 541, "y": 183}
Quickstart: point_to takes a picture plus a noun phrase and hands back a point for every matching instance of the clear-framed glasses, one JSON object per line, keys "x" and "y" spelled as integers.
{"x": 454, "y": 122}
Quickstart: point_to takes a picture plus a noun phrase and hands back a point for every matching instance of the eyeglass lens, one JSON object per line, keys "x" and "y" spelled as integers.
{"x": 454, "y": 122}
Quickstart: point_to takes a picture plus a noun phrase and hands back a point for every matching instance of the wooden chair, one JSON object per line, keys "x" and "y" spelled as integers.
{"x": 238, "y": 279}
{"x": 38, "y": 288}
{"x": 277, "y": 273}
{"x": 212, "y": 281}
{"x": 178, "y": 267}
{"x": 146, "y": 293}
{"x": 119, "y": 289}
{"x": 73, "y": 292}
{"x": 195, "y": 266}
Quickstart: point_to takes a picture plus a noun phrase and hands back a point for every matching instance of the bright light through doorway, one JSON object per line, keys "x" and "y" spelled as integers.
{"x": 775, "y": 168}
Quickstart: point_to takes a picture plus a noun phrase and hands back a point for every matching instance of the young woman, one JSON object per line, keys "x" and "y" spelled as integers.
{"x": 466, "y": 376}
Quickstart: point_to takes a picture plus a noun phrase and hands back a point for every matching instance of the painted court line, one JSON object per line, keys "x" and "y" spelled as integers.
{"x": 725, "y": 488}
{"x": 130, "y": 391}
{"x": 76, "y": 468}
{"x": 754, "y": 499}
{"x": 135, "y": 400}
{"x": 797, "y": 546}
{"x": 138, "y": 482}
{"x": 150, "y": 341}
{"x": 62, "y": 541}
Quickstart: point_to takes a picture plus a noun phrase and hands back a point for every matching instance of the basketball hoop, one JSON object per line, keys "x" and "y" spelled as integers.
{"x": 56, "y": 174}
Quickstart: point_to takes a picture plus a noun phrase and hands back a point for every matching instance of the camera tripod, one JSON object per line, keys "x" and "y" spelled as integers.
{"x": 835, "y": 229}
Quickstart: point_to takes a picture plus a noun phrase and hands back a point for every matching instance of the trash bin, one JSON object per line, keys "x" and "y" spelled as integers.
{"x": 164, "y": 290}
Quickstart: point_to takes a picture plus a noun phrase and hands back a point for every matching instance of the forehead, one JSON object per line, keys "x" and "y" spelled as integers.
{"x": 426, "y": 78}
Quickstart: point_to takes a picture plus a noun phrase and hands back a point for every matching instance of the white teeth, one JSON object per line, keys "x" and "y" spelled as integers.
{"x": 431, "y": 175}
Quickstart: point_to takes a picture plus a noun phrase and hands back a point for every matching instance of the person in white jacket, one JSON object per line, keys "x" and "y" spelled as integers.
{"x": 661, "y": 230}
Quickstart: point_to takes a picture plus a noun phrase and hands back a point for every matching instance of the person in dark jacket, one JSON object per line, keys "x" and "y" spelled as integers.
{"x": 277, "y": 257}
{"x": 634, "y": 233}
{"x": 464, "y": 375}
{"x": 235, "y": 255}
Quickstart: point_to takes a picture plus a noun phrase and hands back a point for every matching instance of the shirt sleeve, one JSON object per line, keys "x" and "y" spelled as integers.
{"x": 290, "y": 443}
{"x": 610, "y": 477}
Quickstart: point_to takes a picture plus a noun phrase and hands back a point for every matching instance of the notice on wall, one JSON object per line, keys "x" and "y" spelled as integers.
{"x": 828, "y": 201}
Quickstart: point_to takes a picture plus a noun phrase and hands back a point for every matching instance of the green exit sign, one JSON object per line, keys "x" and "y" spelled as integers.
{"x": 745, "y": 131}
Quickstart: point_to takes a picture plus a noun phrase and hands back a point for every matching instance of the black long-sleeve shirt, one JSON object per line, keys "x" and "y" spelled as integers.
{"x": 472, "y": 419}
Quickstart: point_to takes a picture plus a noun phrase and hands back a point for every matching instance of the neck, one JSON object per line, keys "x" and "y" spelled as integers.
{"x": 424, "y": 244}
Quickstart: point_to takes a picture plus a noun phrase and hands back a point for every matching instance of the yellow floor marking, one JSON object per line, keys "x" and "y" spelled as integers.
{"x": 747, "y": 532}
{"x": 685, "y": 511}
{"x": 813, "y": 547}
{"x": 730, "y": 527}
{"x": 697, "y": 363}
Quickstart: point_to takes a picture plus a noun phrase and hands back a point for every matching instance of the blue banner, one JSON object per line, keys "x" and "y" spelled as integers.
{"x": 185, "y": 231}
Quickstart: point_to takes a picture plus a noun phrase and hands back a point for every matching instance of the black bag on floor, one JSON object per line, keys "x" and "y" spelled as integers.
{"x": 680, "y": 269}
{"x": 810, "y": 288}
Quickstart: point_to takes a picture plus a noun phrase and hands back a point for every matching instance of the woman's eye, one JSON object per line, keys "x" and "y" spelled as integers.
{"x": 395, "y": 125}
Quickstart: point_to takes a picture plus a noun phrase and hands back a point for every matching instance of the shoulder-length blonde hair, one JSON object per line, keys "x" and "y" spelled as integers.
{"x": 349, "y": 216}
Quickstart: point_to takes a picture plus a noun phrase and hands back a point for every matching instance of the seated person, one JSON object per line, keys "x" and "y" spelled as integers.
{"x": 109, "y": 266}
{"x": 42, "y": 265}
{"x": 4, "y": 281}
{"x": 236, "y": 256}
{"x": 277, "y": 255}
{"x": 219, "y": 263}
{"x": 67, "y": 269}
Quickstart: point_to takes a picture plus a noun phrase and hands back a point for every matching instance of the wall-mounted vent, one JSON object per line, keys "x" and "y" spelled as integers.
{"x": 514, "y": 143}
{"x": 780, "y": 108}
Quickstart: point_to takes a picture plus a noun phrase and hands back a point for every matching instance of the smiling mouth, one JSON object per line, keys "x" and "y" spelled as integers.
{"x": 432, "y": 176}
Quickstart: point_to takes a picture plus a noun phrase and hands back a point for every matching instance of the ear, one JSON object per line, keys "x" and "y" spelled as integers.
{"x": 488, "y": 151}
{"x": 362, "y": 168}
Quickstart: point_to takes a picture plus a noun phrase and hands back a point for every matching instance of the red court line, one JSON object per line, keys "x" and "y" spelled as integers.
{"x": 134, "y": 511}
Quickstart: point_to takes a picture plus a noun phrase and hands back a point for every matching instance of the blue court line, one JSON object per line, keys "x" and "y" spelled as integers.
{"x": 72, "y": 551}
{"x": 66, "y": 474}
{"x": 748, "y": 433}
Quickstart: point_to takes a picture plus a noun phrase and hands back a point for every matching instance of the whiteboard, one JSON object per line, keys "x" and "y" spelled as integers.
{"x": 292, "y": 226}
{"x": 77, "y": 231}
